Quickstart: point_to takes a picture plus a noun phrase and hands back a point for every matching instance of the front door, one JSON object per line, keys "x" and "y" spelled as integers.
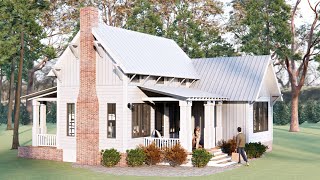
{"x": 159, "y": 113}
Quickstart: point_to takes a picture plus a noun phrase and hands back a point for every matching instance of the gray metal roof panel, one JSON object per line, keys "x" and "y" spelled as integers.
{"x": 139, "y": 53}
{"x": 238, "y": 78}
{"x": 187, "y": 93}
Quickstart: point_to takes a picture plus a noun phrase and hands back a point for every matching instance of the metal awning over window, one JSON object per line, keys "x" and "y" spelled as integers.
{"x": 184, "y": 93}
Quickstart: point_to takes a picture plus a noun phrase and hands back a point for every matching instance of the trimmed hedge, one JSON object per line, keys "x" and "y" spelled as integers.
{"x": 309, "y": 111}
{"x": 229, "y": 146}
{"x": 135, "y": 157}
{"x": 110, "y": 157}
{"x": 200, "y": 157}
{"x": 255, "y": 150}
{"x": 153, "y": 154}
{"x": 176, "y": 155}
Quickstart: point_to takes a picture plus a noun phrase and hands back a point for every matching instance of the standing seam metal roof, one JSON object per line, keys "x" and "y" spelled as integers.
{"x": 187, "y": 93}
{"x": 139, "y": 53}
{"x": 238, "y": 78}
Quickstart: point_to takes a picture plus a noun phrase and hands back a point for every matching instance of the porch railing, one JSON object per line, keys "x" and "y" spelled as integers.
{"x": 47, "y": 140}
{"x": 162, "y": 143}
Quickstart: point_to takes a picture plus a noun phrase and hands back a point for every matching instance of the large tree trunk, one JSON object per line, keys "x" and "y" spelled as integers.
{"x": 11, "y": 91}
{"x": 294, "y": 125}
{"x": 29, "y": 91}
{"x": 15, "y": 140}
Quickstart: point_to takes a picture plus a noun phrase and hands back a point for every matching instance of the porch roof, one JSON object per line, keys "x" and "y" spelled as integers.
{"x": 184, "y": 93}
{"x": 46, "y": 93}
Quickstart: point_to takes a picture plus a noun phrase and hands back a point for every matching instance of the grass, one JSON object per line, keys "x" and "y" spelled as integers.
{"x": 294, "y": 156}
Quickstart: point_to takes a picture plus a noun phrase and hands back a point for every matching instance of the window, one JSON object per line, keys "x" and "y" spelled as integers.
{"x": 111, "y": 120}
{"x": 140, "y": 120}
{"x": 71, "y": 119}
{"x": 260, "y": 117}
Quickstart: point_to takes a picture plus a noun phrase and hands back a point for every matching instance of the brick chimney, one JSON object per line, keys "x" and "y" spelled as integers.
{"x": 87, "y": 119}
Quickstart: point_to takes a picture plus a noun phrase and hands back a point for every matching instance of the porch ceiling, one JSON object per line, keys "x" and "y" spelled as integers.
{"x": 46, "y": 93}
{"x": 183, "y": 93}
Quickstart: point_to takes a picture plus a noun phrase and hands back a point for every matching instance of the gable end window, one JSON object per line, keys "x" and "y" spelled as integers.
{"x": 140, "y": 120}
{"x": 71, "y": 119}
{"x": 260, "y": 117}
{"x": 111, "y": 120}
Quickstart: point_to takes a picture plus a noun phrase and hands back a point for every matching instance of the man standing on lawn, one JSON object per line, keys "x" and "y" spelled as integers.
{"x": 241, "y": 141}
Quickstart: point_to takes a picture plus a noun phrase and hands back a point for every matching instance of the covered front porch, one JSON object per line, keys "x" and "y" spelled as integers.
{"x": 178, "y": 111}
{"x": 40, "y": 137}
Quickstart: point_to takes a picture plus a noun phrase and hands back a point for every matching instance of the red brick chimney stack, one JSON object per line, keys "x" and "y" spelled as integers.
{"x": 87, "y": 119}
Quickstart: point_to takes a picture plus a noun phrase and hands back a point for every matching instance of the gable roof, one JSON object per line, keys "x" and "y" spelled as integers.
{"x": 238, "y": 78}
{"x": 139, "y": 53}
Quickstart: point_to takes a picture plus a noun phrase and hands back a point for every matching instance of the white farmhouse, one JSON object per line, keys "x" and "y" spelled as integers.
{"x": 115, "y": 87}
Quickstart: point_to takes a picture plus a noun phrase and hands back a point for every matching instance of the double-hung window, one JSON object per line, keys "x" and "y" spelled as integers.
{"x": 260, "y": 117}
{"x": 111, "y": 120}
{"x": 71, "y": 119}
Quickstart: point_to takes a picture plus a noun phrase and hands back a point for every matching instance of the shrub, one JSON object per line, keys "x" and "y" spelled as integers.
{"x": 153, "y": 154}
{"x": 281, "y": 113}
{"x": 302, "y": 115}
{"x": 200, "y": 157}
{"x": 24, "y": 117}
{"x": 255, "y": 150}
{"x": 312, "y": 110}
{"x": 110, "y": 157}
{"x": 176, "y": 155}
{"x": 229, "y": 146}
{"x": 135, "y": 157}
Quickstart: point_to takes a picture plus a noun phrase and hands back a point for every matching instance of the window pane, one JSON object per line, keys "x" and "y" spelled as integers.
{"x": 111, "y": 120}
{"x": 140, "y": 120}
{"x": 70, "y": 119}
{"x": 260, "y": 116}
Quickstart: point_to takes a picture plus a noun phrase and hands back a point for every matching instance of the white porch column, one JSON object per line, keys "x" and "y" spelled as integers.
{"x": 185, "y": 134}
{"x": 219, "y": 122}
{"x": 43, "y": 119}
{"x": 35, "y": 127}
{"x": 209, "y": 129}
{"x": 166, "y": 124}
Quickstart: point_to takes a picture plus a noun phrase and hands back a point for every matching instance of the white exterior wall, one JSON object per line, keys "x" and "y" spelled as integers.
{"x": 234, "y": 115}
{"x": 68, "y": 89}
{"x": 110, "y": 90}
{"x": 265, "y": 137}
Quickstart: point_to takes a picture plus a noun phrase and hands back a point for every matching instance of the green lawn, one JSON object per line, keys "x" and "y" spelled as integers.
{"x": 294, "y": 156}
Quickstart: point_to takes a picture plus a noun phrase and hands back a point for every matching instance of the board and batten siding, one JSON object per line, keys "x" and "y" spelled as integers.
{"x": 135, "y": 95}
{"x": 265, "y": 137}
{"x": 68, "y": 89}
{"x": 110, "y": 89}
{"x": 234, "y": 115}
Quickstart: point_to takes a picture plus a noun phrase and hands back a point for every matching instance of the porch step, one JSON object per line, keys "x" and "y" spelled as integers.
{"x": 217, "y": 157}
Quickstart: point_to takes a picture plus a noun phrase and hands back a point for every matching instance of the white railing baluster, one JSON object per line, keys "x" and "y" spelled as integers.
{"x": 47, "y": 140}
{"x": 162, "y": 143}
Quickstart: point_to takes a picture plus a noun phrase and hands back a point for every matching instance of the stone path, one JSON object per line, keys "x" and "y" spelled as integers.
{"x": 158, "y": 170}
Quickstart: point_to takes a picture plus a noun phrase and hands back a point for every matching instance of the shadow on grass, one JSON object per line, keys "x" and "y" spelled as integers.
{"x": 24, "y": 131}
{"x": 301, "y": 132}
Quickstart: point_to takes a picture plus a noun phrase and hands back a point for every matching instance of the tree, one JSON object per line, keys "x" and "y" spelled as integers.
{"x": 304, "y": 48}
{"x": 261, "y": 27}
{"x": 145, "y": 18}
{"x": 23, "y": 32}
{"x": 269, "y": 26}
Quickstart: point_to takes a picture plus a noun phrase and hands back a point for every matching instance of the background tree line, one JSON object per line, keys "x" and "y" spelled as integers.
{"x": 34, "y": 32}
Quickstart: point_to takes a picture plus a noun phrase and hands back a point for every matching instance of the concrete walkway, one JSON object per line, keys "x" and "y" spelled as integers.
{"x": 158, "y": 170}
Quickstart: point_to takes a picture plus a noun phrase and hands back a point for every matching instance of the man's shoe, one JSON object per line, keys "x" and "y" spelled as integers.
{"x": 247, "y": 164}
